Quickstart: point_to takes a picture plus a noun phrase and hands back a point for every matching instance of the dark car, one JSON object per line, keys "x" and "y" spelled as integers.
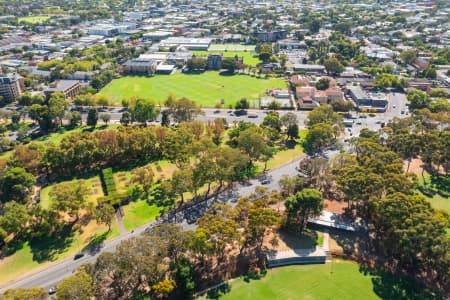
{"x": 78, "y": 256}
{"x": 265, "y": 181}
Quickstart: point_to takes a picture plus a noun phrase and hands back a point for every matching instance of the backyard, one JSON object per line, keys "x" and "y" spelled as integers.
{"x": 337, "y": 280}
{"x": 207, "y": 88}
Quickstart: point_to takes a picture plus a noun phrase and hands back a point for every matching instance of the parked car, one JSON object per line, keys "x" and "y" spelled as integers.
{"x": 78, "y": 256}
{"x": 51, "y": 290}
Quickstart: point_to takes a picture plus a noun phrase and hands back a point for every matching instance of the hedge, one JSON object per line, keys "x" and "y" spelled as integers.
{"x": 108, "y": 181}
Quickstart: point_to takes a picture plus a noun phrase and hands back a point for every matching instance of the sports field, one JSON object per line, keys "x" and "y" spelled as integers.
{"x": 231, "y": 47}
{"x": 338, "y": 280}
{"x": 33, "y": 19}
{"x": 207, "y": 88}
{"x": 250, "y": 58}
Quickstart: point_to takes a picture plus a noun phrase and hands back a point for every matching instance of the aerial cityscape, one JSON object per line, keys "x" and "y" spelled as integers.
{"x": 224, "y": 149}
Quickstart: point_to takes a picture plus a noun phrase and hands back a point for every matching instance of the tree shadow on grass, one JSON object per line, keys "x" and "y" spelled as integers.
{"x": 219, "y": 291}
{"x": 389, "y": 286}
{"x": 290, "y": 144}
{"x": 47, "y": 248}
{"x": 96, "y": 243}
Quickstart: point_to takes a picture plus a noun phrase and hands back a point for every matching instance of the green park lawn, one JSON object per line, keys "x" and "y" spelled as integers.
{"x": 437, "y": 201}
{"x": 338, "y": 280}
{"x": 138, "y": 213}
{"x": 207, "y": 88}
{"x": 31, "y": 255}
{"x": 232, "y": 47}
{"x": 250, "y": 58}
{"x": 33, "y": 19}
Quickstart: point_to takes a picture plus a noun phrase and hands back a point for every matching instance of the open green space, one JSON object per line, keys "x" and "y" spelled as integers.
{"x": 33, "y": 19}
{"x": 93, "y": 185}
{"x": 250, "y": 58}
{"x": 232, "y": 47}
{"x": 338, "y": 280}
{"x": 207, "y": 88}
{"x": 435, "y": 185}
{"x": 138, "y": 213}
{"x": 31, "y": 255}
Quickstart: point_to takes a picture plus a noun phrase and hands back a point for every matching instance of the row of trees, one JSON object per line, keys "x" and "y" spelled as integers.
{"x": 172, "y": 263}
{"x": 403, "y": 229}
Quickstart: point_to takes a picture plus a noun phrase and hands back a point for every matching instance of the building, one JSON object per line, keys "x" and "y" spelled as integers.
{"x": 140, "y": 66}
{"x": 214, "y": 62}
{"x": 70, "y": 88}
{"x": 11, "y": 87}
{"x": 367, "y": 101}
{"x": 107, "y": 30}
{"x": 291, "y": 44}
{"x": 270, "y": 36}
{"x": 310, "y": 69}
{"x": 157, "y": 35}
{"x": 188, "y": 43}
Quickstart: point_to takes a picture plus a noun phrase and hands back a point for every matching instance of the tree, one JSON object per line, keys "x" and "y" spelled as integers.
{"x": 163, "y": 288}
{"x": 242, "y": 104}
{"x": 181, "y": 182}
{"x": 252, "y": 143}
{"x": 14, "y": 219}
{"x": 305, "y": 204}
{"x": 418, "y": 99}
{"x": 342, "y": 105}
{"x": 274, "y": 105}
{"x": 265, "y": 52}
{"x": 323, "y": 114}
{"x": 289, "y": 119}
{"x": 292, "y": 131}
{"x": 74, "y": 119}
{"x": 144, "y": 177}
{"x": 291, "y": 185}
{"x": 196, "y": 64}
{"x": 229, "y": 63}
{"x": 79, "y": 286}
{"x": 69, "y": 197}
{"x": 183, "y": 109}
{"x": 104, "y": 214}
{"x": 333, "y": 66}
{"x": 25, "y": 294}
{"x": 408, "y": 56}
{"x": 323, "y": 84}
{"x": 143, "y": 111}
{"x": 412, "y": 234}
{"x": 57, "y": 107}
{"x": 125, "y": 119}
{"x": 92, "y": 117}
{"x": 105, "y": 118}
{"x": 320, "y": 136}
{"x": 184, "y": 276}
{"x": 165, "y": 118}
{"x": 314, "y": 26}
{"x": 17, "y": 185}
{"x": 272, "y": 120}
